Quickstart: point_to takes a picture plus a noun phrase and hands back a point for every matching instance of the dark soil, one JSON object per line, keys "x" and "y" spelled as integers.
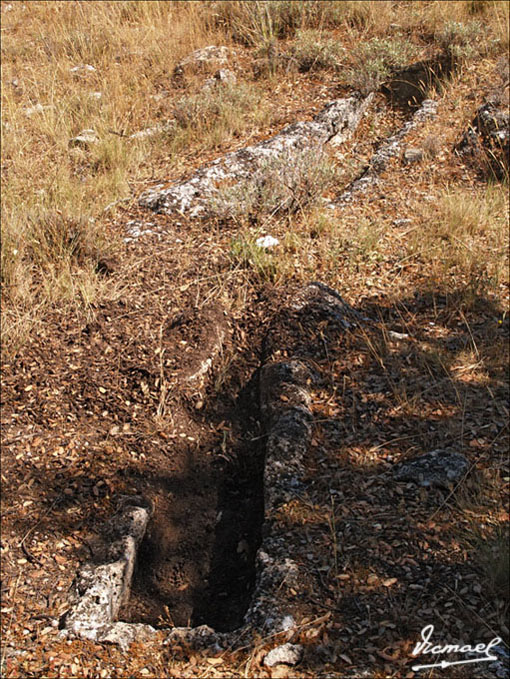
{"x": 196, "y": 563}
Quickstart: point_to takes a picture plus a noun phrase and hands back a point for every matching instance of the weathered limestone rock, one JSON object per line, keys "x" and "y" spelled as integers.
{"x": 286, "y": 654}
{"x": 82, "y": 69}
{"x": 284, "y": 402}
{"x": 267, "y": 242}
{"x": 84, "y": 139}
{"x": 151, "y": 131}
{"x": 101, "y": 590}
{"x": 438, "y": 468}
{"x": 333, "y": 125}
{"x": 487, "y": 140}
{"x": 413, "y": 155}
{"x": 203, "y": 60}
{"x": 386, "y": 151}
{"x": 38, "y": 108}
{"x": 123, "y": 634}
{"x": 222, "y": 77}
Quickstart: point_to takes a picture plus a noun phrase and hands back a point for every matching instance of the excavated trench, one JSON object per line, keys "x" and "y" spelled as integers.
{"x": 196, "y": 563}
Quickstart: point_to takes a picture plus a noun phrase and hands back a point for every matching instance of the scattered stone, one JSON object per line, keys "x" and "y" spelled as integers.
{"x": 202, "y": 60}
{"x": 397, "y": 335}
{"x": 288, "y": 623}
{"x": 38, "y": 108}
{"x": 123, "y": 634}
{"x": 438, "y": 468}
{"x": 267, "y": 242}
{"x": 82, "y": 69}
{"x": 96, "y": 95}
{"x": 222, "y": 77}
{"x": 84, "y": 139}
{"x": 151, "y": 131}
{"x": 193, "y": 197}
{"x": 286, "y": 654}
{"x": 325, "y": 302}
{"x": 136, "y": 229}
{"x": 413, "y": 155}
{"x": 198, "y": 375}
{"x": 164, "y": 94}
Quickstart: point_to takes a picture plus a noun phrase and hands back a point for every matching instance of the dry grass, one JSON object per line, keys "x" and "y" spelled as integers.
{"x": 462, "y": 242}
{"x": 134, "y": 48}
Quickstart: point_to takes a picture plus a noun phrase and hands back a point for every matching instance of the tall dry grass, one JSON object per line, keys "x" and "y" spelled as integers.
{"x": 53, "y": 197}
{"x": 54, "y": 229}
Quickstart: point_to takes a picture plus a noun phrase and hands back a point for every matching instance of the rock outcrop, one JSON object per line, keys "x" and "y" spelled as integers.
{"x": 438, "y": 468}
{"x": 388, "y": 150}
{"x": 194, "y": 196}
{"x": 486, "y": 142}
{"x": 203, "y": 60}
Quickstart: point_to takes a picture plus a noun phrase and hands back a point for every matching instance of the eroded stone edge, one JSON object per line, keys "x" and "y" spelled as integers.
{"x": 389, "y": 149}
{"x": 333, "y": 125}
{"x": 101, "y": 590}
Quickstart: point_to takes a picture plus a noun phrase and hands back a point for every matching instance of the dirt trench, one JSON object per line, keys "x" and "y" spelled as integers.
{"x": 196, "y": 563}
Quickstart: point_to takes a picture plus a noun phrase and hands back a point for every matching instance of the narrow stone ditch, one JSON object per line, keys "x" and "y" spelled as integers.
{"x": 246, "y": 579}
{"x": 232, "y": 575}
{"x": 220, "y": 519}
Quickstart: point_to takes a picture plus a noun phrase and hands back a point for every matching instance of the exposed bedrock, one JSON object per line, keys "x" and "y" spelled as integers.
{"x": 390, "y": 148}
{"x": 192, "y": 197}
{"x": 487, "y": 140}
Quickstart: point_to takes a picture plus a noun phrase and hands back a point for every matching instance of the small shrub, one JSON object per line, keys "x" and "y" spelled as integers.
{"x": 246, "y": 253}
{"x": 256, "y": 23}
{"x": 464, "y": 40}
{"x": 311, "y": 51}
{"x": 375, "y": 60}
{"x": 284, "y": 184}
{"x": 431, "y": 146}
{"x": 223, "y": 107}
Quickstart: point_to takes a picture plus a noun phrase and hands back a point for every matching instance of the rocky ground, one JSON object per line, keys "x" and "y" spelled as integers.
{"x": 319, "y": 552}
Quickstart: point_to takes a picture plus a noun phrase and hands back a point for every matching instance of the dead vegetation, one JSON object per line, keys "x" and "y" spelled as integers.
{"x": 93, "y": 329}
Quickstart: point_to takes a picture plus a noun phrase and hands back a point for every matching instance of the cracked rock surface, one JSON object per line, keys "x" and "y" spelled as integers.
{"x": 286, "y": 654}
{"x": 438, "y": 468}
{"x": 101, "y": 590}
{"x": 488, "y": 136}
{"x": 193, "y": 196}
{"x": 389, "y": 149}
